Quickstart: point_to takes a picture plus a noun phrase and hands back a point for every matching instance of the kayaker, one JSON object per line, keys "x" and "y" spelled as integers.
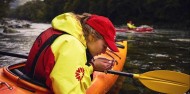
{"x": 130, "y": 25}
{"x": 67, "y": 64}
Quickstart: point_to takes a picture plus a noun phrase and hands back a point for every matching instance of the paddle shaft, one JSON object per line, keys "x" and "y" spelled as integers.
{"x": 13, "y": 55}
{"x": 25, "y": 57}
{"x": 120, "y": 73}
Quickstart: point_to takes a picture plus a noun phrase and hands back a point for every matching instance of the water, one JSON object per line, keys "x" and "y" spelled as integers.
{"x": 162, "y": 49}
{"x": 19, "y": 42}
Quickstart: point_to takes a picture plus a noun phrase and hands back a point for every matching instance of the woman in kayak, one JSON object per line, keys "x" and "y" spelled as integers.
{"x": 65, "y": 65}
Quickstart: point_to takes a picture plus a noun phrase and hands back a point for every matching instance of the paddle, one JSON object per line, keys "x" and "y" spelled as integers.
{"x": 164, "y": 81}
{"x": 13, "y": 55}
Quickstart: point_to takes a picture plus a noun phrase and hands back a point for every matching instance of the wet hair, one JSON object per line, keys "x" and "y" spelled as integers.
{"x": 88, "y": 30}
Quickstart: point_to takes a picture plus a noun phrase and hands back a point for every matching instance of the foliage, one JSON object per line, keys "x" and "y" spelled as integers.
{"x": 34, "y": 11}
{"x": 4, "y": 7}
{"x": 119, "y": 11}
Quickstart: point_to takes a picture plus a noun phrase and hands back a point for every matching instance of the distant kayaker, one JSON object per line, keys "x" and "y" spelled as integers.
{"x": 66, "y": 65}
{"x": 130, "y": 25}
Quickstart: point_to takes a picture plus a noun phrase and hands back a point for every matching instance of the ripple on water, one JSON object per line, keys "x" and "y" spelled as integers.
{"x": 159, "y": 55}
{"x": 35, "y": 30}
{"x": 144, "y": 67}
{"x": 1, "y": 30}
{"x": 181, "y": 40}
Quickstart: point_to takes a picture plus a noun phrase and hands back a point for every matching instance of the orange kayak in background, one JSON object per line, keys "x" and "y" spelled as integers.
{"x": 13, "y": 81}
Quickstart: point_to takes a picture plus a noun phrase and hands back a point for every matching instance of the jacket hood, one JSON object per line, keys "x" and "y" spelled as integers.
{"x": 68, "y": 23}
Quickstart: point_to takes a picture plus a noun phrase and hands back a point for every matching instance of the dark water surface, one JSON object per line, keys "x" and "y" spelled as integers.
{"x": 160, "y": 50}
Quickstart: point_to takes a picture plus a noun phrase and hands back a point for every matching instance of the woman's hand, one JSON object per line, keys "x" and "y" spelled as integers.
{"x": 102, "y": 64}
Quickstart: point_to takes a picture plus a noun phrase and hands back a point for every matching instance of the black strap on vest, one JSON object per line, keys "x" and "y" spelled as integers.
{"x": 46, "y": 44}
{"x": 49, "y": 41}
{"x": 89, "y": 57}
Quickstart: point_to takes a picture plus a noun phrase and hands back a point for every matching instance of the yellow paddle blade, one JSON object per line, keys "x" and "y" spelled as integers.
{"x": 165, "y": 81}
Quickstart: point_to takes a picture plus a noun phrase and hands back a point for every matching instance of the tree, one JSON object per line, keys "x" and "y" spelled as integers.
{"x": 4, "y": 7}
{"x": 33, "y": 11}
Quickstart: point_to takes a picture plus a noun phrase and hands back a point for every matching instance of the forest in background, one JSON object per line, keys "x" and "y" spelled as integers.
{"x": 161, "y": 13}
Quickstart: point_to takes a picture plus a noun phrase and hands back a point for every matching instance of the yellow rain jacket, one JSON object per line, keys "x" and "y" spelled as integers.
{"x": 131, "y": 26}
{"x": 70, "y": 75}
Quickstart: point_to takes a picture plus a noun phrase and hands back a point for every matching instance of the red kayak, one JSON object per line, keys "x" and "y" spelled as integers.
{"x": 121, "y": 29}
{"x": 142, "y": 28}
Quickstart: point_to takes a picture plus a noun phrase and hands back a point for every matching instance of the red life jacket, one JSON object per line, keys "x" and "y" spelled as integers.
{"x": 41, "y": 60}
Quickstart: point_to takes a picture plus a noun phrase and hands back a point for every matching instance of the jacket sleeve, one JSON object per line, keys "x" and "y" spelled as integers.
{"x": 70, "y": 75}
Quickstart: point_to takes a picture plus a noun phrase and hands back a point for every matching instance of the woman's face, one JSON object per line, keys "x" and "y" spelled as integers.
{"x": 97, "y": 47}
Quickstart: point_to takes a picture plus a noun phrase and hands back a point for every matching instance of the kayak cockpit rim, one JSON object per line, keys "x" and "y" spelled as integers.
{"x": 14, "y": 74}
